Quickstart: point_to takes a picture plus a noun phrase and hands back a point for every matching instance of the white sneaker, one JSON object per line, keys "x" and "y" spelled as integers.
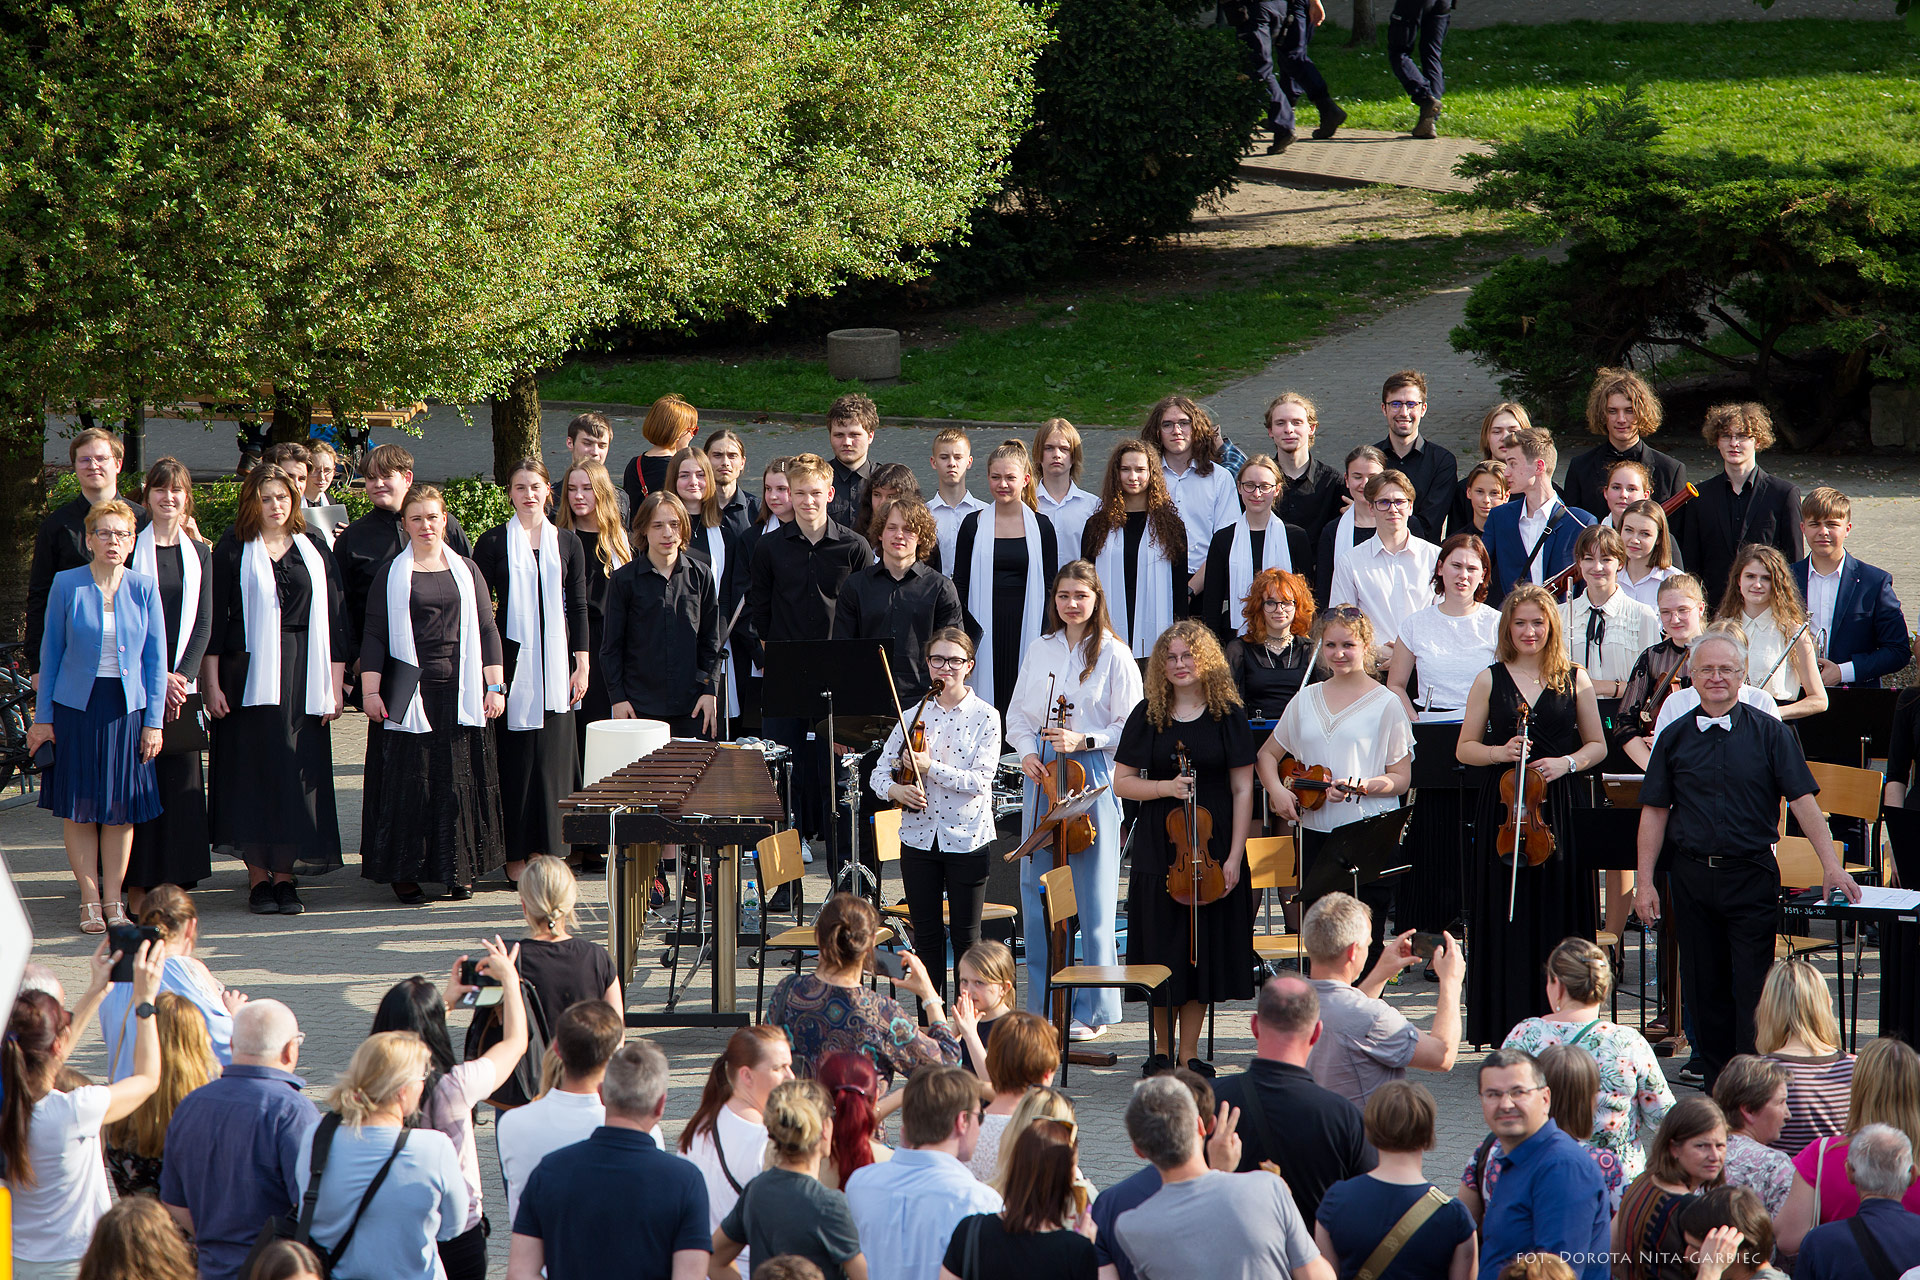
{"x": 806, "y": 851}
{"x": 1079, "y": 1031}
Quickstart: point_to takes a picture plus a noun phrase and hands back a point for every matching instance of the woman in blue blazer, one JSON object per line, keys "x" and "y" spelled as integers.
{"x": 102, "y": 696}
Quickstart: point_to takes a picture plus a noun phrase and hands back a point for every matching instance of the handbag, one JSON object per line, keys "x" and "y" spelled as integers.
{"x": 298, "y": 1227}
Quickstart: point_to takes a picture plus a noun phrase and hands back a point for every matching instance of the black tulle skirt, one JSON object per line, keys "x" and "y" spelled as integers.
{"x": 436, "y": 817}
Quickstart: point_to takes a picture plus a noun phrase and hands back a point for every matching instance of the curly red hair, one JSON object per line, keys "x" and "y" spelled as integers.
{"x": 1291, "y": 586}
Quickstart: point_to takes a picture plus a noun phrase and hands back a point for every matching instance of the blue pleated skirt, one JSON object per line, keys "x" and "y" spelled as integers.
{"x": 97, "y": 773}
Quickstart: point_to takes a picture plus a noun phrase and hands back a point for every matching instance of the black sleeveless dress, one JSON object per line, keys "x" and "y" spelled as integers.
{"x": 1506, "y": 963}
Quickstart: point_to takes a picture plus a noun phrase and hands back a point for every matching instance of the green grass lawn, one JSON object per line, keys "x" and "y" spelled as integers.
{"x": 1788, "y": 90}
{"x": 1101, "y": 360}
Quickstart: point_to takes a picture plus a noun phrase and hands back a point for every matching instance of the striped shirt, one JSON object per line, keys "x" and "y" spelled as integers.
{"x": 1817, "y": 1090}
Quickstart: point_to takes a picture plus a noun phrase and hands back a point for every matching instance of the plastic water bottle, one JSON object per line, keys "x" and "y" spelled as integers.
{"x": 750, "y": 906}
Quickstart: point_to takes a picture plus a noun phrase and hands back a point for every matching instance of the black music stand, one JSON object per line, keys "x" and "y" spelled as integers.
{"x": 1360, "y": 853}
{"x": 821, "y": 679}
{"x": 1856, "y": 727}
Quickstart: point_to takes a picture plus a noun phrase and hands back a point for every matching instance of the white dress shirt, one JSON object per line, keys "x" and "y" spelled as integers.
{"x": 1629, "y": 628}
{"x": 1647, "y": 590}
{"x": 1684, "y": 702}
{"x": 1532, "y": 528}
{"x": 1101, "y": 701}
{"x": 965, "y": 745}
{"x": 1207, "y": 502}
{"x": 946, "y": 521}
{"x": 1069, "y": 515}
{"x": 906, "y": 1209}
{"x": 1388, "y": 586}
{"x": 1823, "y": 596}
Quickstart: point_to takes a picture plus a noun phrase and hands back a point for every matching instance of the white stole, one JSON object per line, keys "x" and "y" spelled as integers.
{"x": 1153, "y": 577}
{"x": 260, "y": 611}
{"x": 979, "y": 600}
{"x": 540, "y": 674}
{"x": 146, "y": 561}
{"x": 400, "y": 643}
{"x": 1240, "y": 570}
{"x": 1342, "y": 539}
{"x": 717, "y": 549}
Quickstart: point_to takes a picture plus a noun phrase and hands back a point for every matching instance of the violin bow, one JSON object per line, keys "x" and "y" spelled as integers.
{"x": 893, "y": 691}
{"x": 1519, "y": 811}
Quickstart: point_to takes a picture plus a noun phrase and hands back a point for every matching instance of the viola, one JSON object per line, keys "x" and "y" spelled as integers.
{"x": 1562, "y": 583}
{"x": 1524, "y": 833}
{"x": 1195, "y": 878}
{"x": 1064, "y": 777}
{"x": 905, "y": 772}
{"x": 1308, "y": 782}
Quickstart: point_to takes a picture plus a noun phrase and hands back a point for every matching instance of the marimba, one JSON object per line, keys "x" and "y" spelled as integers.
{"x": 708, "y": 798}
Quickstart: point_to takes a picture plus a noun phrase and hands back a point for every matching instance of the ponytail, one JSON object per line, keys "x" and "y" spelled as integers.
{"x": 28, "y": 1060}
{"x": 746, "y": 1048}
{"x": 852, "y": 1081}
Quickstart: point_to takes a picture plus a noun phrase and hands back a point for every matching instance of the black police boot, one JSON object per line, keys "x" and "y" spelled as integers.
{"x": 1331, "y": 118}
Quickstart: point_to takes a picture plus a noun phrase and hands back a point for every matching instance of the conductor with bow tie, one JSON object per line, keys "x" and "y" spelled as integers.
{"x": 1709, "y": 811}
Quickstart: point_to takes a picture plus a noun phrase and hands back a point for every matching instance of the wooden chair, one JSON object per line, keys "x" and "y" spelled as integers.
{"x": 1274, "y": 863}
{"x": 1064, "y": 976}
{"x": 1799, "y": 869}
{"x": 780, "y": 863}
{"x": 1853, "y": 793}
{"x": 886, "y": 843}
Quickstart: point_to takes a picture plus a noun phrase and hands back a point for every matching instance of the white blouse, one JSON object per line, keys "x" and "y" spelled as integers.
{"x": 1101, "y": 701}
{"x": 1359, "y": 741}
{"x": 1628, "y": 628}
{"x": 1448, "y": 653}
{"x": 1765, "y": 644}
{"x": 965, "y": 745}
{"x": 1647, "y": 590}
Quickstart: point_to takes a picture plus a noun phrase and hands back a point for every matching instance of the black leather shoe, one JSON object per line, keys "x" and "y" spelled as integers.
{"x": 1158, "y": 1063}
{"x": 1201, "y": 1068}
{"x": 260, "y": 899}
{"x": 1282, "y": 139}
{"x": 287, "y": 898}
{"x": 459, "y": 892}
{"x": 1331, "y": 118}
{"x": 410, "y": 894}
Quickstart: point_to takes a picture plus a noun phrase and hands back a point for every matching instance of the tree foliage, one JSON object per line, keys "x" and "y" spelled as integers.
{"x": 1801, "y": 276}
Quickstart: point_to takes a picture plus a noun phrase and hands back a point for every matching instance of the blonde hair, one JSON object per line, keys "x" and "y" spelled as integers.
{"x": 1209, "y": 665}
{"x": 186, "y": 1063}
{"x": 992, "y": 962}
{"x": 612, "y": 546}
{"x": 1356, "y": 624}
{"x": 796, "y": 1115}
{"x": 112, "y": 507}
{"x": 548, "y": 893}
{"x": 1794, "y": 1004}
{"x": 1017, "y": 451}
{"x": 808, "y": 466}
{"x": 1886, "y": 1089}
{"x": 1043, "y": 1102}
{"x": 385, "y": 1063}
{"x": 1556, "y": 668}
{"x": 1582, "y": 969}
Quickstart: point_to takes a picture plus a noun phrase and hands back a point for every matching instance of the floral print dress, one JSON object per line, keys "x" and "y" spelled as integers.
{"x": 1634, "y": 1094}
{"x": 820, "y": 1018}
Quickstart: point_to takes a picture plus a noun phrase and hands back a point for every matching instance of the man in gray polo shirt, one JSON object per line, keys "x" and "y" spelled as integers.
{"x": 1366, "y": 1042}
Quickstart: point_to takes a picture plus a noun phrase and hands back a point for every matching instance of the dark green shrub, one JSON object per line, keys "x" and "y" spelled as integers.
{"x": 478, "y": 504}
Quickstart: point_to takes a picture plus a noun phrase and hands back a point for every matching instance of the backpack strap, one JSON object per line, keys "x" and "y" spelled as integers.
{"x": 316, "y": 1167}
{"x": 1878, "y": 1263}
{"x": 1411, "y": 1221}
{"x": 720, "y": 1154}
{"x": 1253, "y": 1110}
{"x": 331, "y": 1257}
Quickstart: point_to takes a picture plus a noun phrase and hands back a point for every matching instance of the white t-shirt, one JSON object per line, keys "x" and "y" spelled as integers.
{"x": 1359, "y": 741}
{"x": 1449, "y": 653}
{"x": 461, "y": 1090}
{"x": 527, "y": 1135}
{"x": 744, "y": 1144}
{"x": 54, "y": 1219}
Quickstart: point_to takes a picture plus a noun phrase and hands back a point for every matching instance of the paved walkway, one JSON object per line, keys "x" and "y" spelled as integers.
{"x": 1533, "y": 13}
{"x": 1365, "y": 158}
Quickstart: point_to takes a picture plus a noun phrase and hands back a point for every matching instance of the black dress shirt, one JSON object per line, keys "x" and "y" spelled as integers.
{"x": 1715, "y": 525}
{"x": 1586, "y": 485}
{"x": 1320, "y": 1139}
{"x": 794, "y": 585}
{"x": 362, "y": 549}
{"x": 1431, "y": 469}
{"x": 741, "y": 513}
{"x": 1313, "y": 500}
{"x": 662, "y": 646}
{"x": 906, "y": 610}
{"x": 60, "y": 545}
{"x": 1723, "y": 786}
{"x": 844, "y": 509}
{"x": 433, "y": 607}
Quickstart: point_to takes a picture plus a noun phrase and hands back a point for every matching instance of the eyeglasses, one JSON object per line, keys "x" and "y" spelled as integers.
{"x": 1277, "y": 605}
{"x": 1391, "y": 504}
{"x": 1175, "y": 422}
{"x": 948, "y": 664}
{"x": 1406, "y": 406}
{"x": 1493, "y": 1097}
{"x": 1716, "y": 673}
{"x": 112, "y": 535}
{"x": 1248, "y": 486}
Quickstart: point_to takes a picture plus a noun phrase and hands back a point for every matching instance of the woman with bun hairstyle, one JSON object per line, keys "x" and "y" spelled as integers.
{"x": 854, "y": 1086}
{"x": 727, "y": 1133}
{"x": 785, "y": 1211}
{"x": 1634, "y": 1095}
{"x": 539, "y": 576}
{"x": 170, "y": 911}
{"x": 832, "y": 1009}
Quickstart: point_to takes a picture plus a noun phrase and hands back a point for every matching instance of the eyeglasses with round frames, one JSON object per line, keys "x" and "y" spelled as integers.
{"x": 948, "y": 664}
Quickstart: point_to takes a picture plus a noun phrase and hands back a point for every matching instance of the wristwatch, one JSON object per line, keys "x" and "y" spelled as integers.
{"x": 144, "y": 1009}
{"x": 496, "y": 688}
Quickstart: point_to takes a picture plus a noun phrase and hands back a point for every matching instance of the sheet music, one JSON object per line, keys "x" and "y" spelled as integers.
{"x": 1879, "y": 897}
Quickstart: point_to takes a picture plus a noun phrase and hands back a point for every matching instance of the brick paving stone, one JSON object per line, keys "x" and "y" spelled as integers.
{"x": 1365, "y": 158}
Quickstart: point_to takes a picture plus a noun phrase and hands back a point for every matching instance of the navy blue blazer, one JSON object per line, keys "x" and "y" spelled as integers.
{"x": 70, "y": 644}
{"x": 1869, "y": 630}
{"x": 1502, "y": 537}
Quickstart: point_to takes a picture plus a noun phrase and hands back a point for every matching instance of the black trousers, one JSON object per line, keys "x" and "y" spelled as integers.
{"x": 928, "y": 876}
{"x": 1724, "y": 914}
{"x": 1415, "y": 35}
{"x": 465, "y": 1256}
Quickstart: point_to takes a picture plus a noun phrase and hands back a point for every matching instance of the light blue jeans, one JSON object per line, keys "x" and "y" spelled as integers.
{"x": 1096, "y": 886}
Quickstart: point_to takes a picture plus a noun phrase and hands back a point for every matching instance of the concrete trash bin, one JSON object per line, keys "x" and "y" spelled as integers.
{"x": 870, "y": 355}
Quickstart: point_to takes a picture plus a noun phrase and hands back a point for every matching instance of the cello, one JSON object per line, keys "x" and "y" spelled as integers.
{"x": 1524, "y": 833}
{"x": 1195, "y": 878}
{"x": 1064, "y": 777}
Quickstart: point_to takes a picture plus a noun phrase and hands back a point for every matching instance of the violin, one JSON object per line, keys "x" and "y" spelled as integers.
{"x": 1640, "y": 723}
{"x": 1195, "y": 878}
{"x": 1524, "y": 833}
{"x": 905, "y": 772}
{"x": 1562, "y": 583}
{"x": 1065, "y": 777}
{"x": 1308, "y": 782}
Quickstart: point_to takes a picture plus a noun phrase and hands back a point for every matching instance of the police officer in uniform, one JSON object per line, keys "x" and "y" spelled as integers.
{"x": 1276, "y": 33}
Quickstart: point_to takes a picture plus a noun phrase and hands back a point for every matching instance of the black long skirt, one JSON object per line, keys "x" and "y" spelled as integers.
{"x": 174, "y": 848}
{"x": 1439, "y": 837}
{"x": 437, "y": 815}
{"x": 538, "y": 769}
{"x": 1506, "y": 963}
{"x": 270, "y": 773}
